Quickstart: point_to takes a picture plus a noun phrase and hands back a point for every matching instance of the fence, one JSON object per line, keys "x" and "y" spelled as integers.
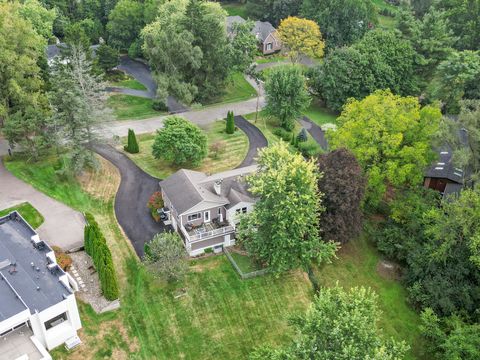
{"x": 243, "y": 275}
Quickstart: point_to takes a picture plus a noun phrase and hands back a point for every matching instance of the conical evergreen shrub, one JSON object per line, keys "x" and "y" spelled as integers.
{"x": 230, "y": 127}
{"x": 132, "y": 144}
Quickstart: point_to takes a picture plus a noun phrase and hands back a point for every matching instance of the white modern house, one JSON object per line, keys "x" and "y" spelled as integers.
{"x": 205, "y": 209}
{"x": 38, "y": 310}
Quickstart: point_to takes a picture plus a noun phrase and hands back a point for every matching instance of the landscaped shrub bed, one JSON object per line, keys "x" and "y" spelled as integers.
{"x": 96, "y": 246}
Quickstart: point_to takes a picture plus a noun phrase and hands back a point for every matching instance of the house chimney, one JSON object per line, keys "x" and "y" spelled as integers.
{"x": 217, "y": 186}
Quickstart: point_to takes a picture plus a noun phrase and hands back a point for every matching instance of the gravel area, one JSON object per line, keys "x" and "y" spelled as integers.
{"x": 89, "y": 286}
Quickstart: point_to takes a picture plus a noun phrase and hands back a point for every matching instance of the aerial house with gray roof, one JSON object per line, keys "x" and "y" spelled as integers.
{"x": 38, "y": 310}
{"x": 204, "y": 209}
{"x": 267, "y": 36}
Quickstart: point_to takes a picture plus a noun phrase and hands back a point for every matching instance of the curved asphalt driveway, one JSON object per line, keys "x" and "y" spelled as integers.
{"x": 256, "y": 140}
{"x": 132, "y": 197}
{"x": 137, "y": 186}
{"x": 142, "y": 73}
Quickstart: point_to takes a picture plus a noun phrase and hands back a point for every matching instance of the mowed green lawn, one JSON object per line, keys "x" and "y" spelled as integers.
{"x": 235, "y": 8}
{"x": 237, "y": 89}
{"x": 235, "y": 152}
{"x": 357, "y": 266}
{"x": 130, "y": 84}
{"x": 127, "y": 107}
{"x": 320, "y": 115}
{"x": 28, "y": 212}
{"x": 220, "y": 317}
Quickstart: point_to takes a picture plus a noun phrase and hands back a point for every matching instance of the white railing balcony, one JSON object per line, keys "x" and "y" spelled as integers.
{"x": 206, "y": 231}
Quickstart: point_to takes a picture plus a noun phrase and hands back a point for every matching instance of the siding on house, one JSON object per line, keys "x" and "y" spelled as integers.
{"x": 213, "y": 215}
{"x": 272, "y": 38}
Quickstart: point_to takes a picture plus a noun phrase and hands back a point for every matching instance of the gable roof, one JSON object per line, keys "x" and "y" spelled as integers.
{"x": 187, "y": 189}
{"x": 261, "y": 29}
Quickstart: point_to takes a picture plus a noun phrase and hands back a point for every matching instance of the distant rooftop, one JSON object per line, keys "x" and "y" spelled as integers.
{"x": 26, "y": 281}
{"x": 261, "y": 29}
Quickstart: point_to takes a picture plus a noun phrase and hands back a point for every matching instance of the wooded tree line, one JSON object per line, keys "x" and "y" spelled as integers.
{"x": 96, "y": 246}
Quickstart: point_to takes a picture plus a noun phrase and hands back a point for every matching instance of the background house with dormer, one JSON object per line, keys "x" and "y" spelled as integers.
{"x": 205, "y": 209}
{"x": 267, "y": 36}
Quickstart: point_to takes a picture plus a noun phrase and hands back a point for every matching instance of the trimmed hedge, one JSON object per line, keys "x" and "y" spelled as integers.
{"x": 96, "y": 246}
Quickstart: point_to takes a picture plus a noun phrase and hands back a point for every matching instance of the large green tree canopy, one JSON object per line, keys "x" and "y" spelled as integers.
{"x": 391, "y": 138}
{"x": 188, "y": 50}
{"x": 381, "y": 60}
{"x": 342, "y": 22}
{"x": 282, "y": 230}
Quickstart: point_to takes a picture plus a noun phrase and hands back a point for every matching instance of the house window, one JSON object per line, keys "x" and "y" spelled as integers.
{"x": 242, "y": 210}
{"x": 194, "y": 217}
{"x": 206, "y": 216}
{"x": 57, "y": 320}
{"x": 269, "y": 46}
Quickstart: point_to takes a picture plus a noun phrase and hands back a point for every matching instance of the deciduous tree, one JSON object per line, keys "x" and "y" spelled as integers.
{"x": 125, "y": 22}
{"x": 180, "y": 142}
{"x": 286, "y": 95}
{"x": 343, "y": 186}
{"x": 166, "y": 256}
{"x": 339, "y": 324}
{"x": 381, "y": 60}
{"x": 342, "y": 22}
{"x": 23, "y": 104}
{"x": 282, "y": 230}
{"x": 457, "y": 78}
{"x": 107, "y": 57}
{"x": 301, "y": 37}
{"x": 391, "y": 138}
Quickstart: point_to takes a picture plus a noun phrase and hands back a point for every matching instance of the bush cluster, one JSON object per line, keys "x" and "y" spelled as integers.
{"x": 96, "y": 246}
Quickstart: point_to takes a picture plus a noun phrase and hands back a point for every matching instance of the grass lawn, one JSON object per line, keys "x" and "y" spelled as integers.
{"x": 127, "y": 107}
{"x": 130, "y": 84}
{"x": 220, "y": 317}
{"x": 320, "y": 115}
{"x": 236, "y": 150}
{"x": 244, "y": 262}
{"x": 271, "y": 59}
{"x": 357, "y": 266}
{"x": 236, "y": 89}
{"x": 28, "y": 212}
{"x": 235, "y": 8}
{"x": 267, "y": 125}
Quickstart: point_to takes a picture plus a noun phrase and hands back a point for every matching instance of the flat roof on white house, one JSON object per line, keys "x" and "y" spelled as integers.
{"x": 26, "y": 279}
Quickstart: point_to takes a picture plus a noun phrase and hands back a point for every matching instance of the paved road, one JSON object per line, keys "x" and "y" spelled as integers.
{"x": 142, "y": 73}
{"x": 316, "y": 131}
{"x": 63, "y": 226}
{"x": 256, "y": 139}
{"x": 203, "y": 116}
{"x": 132, "y": 197}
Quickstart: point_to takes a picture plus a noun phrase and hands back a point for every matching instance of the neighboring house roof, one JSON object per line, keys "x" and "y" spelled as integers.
{"x": 26, "y": 280}
{"x": 231, "y": 20}
{"x": 193, "y": 190}
{"x": 55, "y": 50}
{"x": 444, "y": 168}
{"x": 261, "y": 29}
